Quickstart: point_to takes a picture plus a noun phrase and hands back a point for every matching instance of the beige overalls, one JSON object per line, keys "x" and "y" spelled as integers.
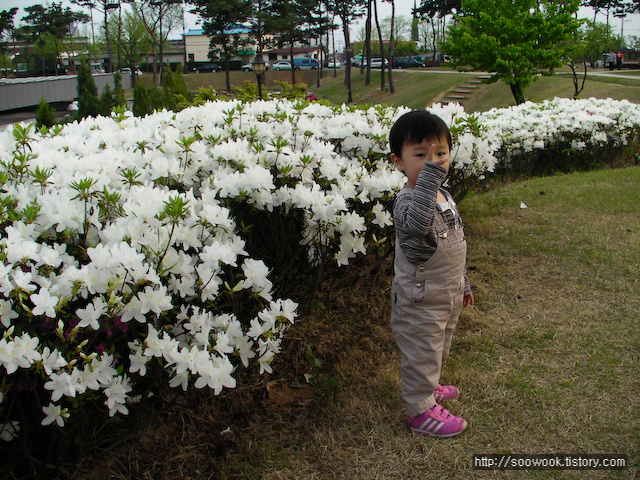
{"x": 426, "y": 301}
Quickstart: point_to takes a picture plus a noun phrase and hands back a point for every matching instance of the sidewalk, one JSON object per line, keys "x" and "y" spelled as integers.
{"x": 22, "y": 116}
{"x": 7, "y": 119}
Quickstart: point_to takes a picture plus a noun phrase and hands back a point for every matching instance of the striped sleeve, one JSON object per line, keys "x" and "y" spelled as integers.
{"x": 413, "y": 214}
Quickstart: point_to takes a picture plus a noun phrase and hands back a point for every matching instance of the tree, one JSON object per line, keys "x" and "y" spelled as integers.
{"x": 36, "y": 27}
{"x": 348, "y": 11}
{"x": 45, "y": 115}
{"x": 89, "y": 104}
{"x": 296, "y": 21}
{"x": 62, "y": 23}
{"x": 6, "y": 25}
{"x": 158, "y": 17}
{"x": 515, "y": 40}
{"x": 439, "y": 7}
{"x": 51, "y": 25}
{"x": 595, "y": 39}
{"x": 134, "y": 43}
{"x": 220, "y": 18}
{"x": 392, "y": 88}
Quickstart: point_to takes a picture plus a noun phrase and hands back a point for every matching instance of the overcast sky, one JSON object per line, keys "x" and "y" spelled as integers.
{"x": 403, "y": 7}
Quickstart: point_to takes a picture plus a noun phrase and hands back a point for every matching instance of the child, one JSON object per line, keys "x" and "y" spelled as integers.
{"x": 430, "y": 285}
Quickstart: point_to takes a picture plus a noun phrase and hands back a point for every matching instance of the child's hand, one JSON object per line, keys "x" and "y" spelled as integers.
{"x": 436, "y": 159}
{"x": 468, "y": 300}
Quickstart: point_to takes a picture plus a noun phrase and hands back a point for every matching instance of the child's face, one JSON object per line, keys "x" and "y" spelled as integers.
{"x": 414, "y": 155}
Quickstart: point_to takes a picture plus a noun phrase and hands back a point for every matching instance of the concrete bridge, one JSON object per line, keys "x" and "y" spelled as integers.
{"x": 20, "y": 93}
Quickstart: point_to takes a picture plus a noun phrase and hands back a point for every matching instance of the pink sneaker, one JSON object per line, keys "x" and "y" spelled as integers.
{"x": 446, "y": 392}
{"x": 437, "y": 422}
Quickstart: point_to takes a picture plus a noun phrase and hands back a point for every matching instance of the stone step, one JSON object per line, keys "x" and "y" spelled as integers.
{"x": 457, "y": 97}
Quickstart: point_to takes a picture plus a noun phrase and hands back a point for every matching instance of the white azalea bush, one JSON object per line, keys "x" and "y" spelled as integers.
{"x": 561, "y": 134}
{"x": 148, "y": 254}
{"x": 155, "y": 254}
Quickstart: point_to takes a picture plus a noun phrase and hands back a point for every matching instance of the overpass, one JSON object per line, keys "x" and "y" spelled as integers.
{"x": 19, "y": 93}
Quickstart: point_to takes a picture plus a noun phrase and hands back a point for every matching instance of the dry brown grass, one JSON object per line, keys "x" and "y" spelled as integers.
{"x": 547, "y": 361}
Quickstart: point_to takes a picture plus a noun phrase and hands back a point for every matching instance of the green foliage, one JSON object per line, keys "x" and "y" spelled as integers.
{"x": 142, "y": 104}
{"x": 44, "y": 115}
{"x": 516, "y": 41}
{"x": 118, "y": 92}
{"x": 174, "y": 94}
{"x": 247, "y": 92}
{"x": 207, "y": 94}
{"x": 89, "y": 105}
{"x": 291, "y": 92}
{"x": 106, "y": 100}
{"x": 175, "y": 89}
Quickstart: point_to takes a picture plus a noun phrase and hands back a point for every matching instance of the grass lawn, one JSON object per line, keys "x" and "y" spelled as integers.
{"x": 420, "y": 88}
{"x": 547, "y": 360}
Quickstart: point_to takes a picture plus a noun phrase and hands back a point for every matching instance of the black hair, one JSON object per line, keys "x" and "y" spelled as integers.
{"x": 414, "y": 127}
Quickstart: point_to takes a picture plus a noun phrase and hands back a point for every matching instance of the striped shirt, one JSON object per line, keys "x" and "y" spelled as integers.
{"x": 413, "y": 215}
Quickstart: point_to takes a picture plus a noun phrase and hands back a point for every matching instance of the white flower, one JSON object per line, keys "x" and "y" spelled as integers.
{"x": 52, "y": 360}
{"x": 19, "y": 352}
{"x": 215, "y": 374}
{"x": 181, "y": 380}
{"x": 155, "y": 300}
{"x": 256, "y": 277}
{"x": 116, "y": 394}
{"x": 89, "y": 316}
{"x": 382, "y": 217}
{"x": 64, "y": 384}
{"x": 6, "y": 313}
{"x": 54, "y": 413}
{"x": 45, "y": 303}
{"x": 23, "y": 280}
{"x": 8, "y": 431}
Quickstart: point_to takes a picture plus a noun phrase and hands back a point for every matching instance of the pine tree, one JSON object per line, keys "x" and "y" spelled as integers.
{"x": 141, "y": 100}
{"x": 88, "y": 101}
{"x": 118, "y": 92}
{"x": 45, "y": 115}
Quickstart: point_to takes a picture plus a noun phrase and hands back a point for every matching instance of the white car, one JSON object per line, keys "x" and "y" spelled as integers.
{"x": 331, "y": 63}
{"x": 127, "y": 71}
{"x": 248, "y": 67}
{"x": 282, "y": 66}
{"x": 376, "y": 62}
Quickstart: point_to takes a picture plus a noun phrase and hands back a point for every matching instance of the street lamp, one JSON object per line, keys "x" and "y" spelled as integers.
{"x": 259, "y": 67}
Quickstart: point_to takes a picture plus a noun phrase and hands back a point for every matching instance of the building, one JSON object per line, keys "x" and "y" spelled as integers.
{"x": 284, "y": 53}
{"x": 197, "y": 46}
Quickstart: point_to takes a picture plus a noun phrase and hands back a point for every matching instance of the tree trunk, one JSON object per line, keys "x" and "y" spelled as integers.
{"x": 347, "y": 67}
{"x": 392, "y": 88}
{"x": 518, "y": 94}
{"x": 382, "y": 79}
{"x": 367, "y": 43}
{"x": 293, "y": 67}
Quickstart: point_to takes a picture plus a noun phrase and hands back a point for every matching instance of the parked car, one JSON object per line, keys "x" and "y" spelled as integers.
{"x": 248, "y": 67}
{"x": 306, "y": 64}
{"x": 97, "y": 68}
{"x": 127, "y": 71}
{"x": 356, "y": 61}
{"x": 331, "y": 63}
{"x": 376, "y": 62}
{"x": 406, "y": 62}
{"x": 282, "y": 66}
{"x": 207, "y": 67}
